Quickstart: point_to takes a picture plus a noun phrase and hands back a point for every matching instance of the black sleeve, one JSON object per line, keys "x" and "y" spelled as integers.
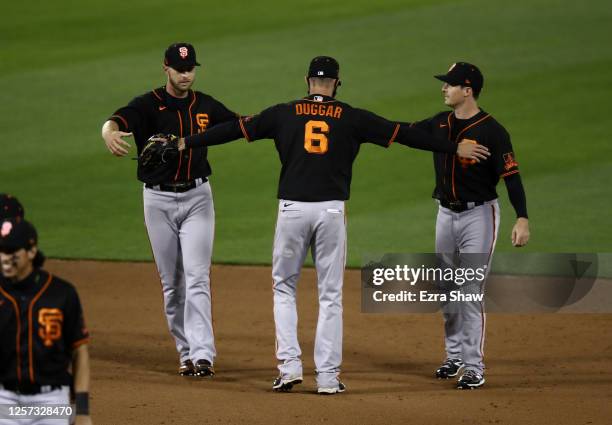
{"x": 131, "y": 117}
{"x": 516, "y": 193}
{"x": 417, "y": 138}
{"x": 262, "y": 125}
{"x": 75, "y": 331}
{"x": 424, "y": 125}
{"x": 503, "y": 155}
{"x": 216, "y": 135}
{"x": 371, "y": 128}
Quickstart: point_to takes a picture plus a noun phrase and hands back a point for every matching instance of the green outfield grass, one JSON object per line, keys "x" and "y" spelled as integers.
{"x": 66, "y": 66}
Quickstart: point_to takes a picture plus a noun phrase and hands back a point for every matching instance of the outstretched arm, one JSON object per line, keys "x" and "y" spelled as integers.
{"x": 217, "y": 135}
{"x": 516, "y": 193}
{"x": 419, "y": 139}
{"x": 113, "y": 138}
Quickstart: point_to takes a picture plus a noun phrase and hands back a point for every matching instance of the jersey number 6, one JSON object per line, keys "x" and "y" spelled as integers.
{"x": 315, "y": 137}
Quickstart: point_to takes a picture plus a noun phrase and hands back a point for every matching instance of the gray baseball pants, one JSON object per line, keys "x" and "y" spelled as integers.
{"x": 467, "y": 240}
{"x": 321, "y": 227}
{"x": 181, "y": 230}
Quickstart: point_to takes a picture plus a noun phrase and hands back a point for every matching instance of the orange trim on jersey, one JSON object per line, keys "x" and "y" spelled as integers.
{"x": 509, "y": 173}
{"x": 156, "y": 95}
{"x": 397, "y": 127}
{"x": 80, "y": 342}
{"x": 123, "y": 120}
{"x": 30, "y": 307}
{"x": 244, "y": 132}
{"x": 457, "y": 141}
{"x": 190, "y": 133}
{"x": 178, "y": 170}
{"x": 471, "y": 125}
{"x": 18, "y": 336}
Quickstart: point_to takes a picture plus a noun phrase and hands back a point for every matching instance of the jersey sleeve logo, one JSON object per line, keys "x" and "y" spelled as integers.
{"x": 202, "y": 122}
{"x": 509, "y": 161}
{"x": 466, "y": 162}
{"x": 50, "y": 321}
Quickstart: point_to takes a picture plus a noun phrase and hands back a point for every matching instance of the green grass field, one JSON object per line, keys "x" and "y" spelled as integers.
{"x": 66, "y": 66}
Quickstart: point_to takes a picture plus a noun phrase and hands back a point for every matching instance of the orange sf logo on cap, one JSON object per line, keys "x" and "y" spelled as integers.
{"x": 183, "y": 52}
{"x": 7, "y": 226}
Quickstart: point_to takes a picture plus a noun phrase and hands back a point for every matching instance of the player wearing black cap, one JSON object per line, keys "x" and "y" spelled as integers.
{"x": 178, "y": 203}
{"x": 42, "y": 331}
{"x": 468, "y": 214}
{"x": 317, "y": 139}
{"x": 10, "y": 207}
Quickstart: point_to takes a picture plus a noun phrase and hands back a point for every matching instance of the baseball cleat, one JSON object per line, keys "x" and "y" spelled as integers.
{"x": 203, "y": 368}
{"x": 332, "y": 390}
{"x": 284, "y": 385}
{"x": 470, "y": 380}
{"x": 449, "y": 368}
{"x": 187, "y": 368}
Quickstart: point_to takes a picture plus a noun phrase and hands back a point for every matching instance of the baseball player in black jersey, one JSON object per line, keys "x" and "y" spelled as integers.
{"x": 317, "y": 139}
{"x": 178, "y": 203}
{"x": 42, "y": 331}
{"x": 468, "y": 214}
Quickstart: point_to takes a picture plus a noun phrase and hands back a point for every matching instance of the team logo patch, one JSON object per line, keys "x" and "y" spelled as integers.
{"x": 202, "y": 122}
{"x": 50, "y": 321}
{"x": 509, "y": 161}
{"x": 7, "y": 226}
{"x": 183, "y": 52}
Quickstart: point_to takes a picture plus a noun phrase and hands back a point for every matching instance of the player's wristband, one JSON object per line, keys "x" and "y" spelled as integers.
{"x": 81, "y": 400}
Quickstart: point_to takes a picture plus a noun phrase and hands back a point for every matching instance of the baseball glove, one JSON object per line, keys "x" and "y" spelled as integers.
{"x": 161, "y": 149}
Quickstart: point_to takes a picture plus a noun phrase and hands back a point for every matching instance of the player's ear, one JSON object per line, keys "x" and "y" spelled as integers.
{"x": 31, "y": 253}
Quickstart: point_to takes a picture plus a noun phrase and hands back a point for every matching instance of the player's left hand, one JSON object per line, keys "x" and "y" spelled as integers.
{"x": 472, "y": 150}
{"x": 520, "y": 232}
{"x": 83, "y": 420}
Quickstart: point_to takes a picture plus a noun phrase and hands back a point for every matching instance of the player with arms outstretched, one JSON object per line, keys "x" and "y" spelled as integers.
{"x": 317, "y": 139}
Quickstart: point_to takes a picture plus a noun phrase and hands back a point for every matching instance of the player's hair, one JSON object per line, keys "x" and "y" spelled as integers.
{"x": 475, "y": 92}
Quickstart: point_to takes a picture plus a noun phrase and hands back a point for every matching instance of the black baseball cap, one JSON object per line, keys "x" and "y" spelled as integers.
{"x": 324, "y": 67}
{"x": 10, "y": 207}
{"x": 463, "y": 74}
{"x": 180, "y": 55}
{"x": 16, "y": 234}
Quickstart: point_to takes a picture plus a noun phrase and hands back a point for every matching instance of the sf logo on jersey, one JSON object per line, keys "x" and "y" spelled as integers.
{"x": 465, "y": 162}
{"x": 50, "y": 321}
{"x": 202, "y": 121}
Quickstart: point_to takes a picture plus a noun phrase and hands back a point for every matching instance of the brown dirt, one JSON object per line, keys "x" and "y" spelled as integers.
{"x": 541, "y": 369}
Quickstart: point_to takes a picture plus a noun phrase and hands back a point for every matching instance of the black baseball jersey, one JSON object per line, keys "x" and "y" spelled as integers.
{"x": 159, "y": 112}
{"x": 461, "y": 179}
{"x": 317, "y": 139}
{"x": 41, "y": 323}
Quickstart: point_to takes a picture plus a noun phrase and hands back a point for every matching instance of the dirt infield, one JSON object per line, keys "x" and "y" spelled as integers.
{"x": 541, "y": 369}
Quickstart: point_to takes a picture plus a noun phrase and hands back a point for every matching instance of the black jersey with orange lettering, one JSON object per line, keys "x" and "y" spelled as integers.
{"x": 159, "y": 112}
{"x": 461, "y": 179}
{"x": 317, "y": 139}
{"x": 41, "y": 323}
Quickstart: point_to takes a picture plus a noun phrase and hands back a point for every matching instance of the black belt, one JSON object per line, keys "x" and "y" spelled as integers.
{"x": 29, "y": 388}
{"x": 178, "y": 187}
{"x": 460, "y": 206}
